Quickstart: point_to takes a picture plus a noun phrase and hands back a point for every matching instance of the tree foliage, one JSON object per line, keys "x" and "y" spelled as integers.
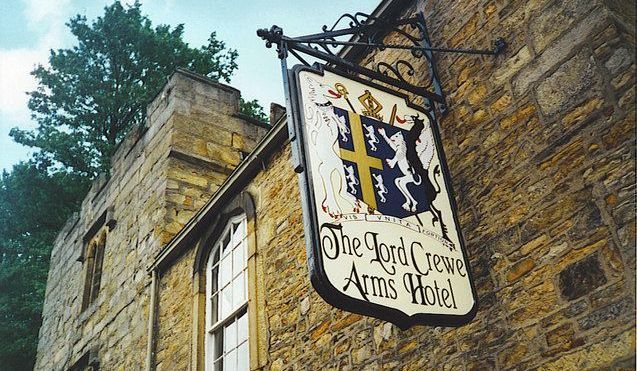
{"x": 34, "y": 205}
{"x": 89, "y": 96}
{"x": 253, "y": 109}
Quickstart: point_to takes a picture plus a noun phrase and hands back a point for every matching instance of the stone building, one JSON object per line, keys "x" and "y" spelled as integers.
{"x": 541, "y": 147}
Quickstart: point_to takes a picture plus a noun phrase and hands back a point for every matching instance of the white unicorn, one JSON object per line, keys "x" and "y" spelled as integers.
{"x": 323, "y": 126}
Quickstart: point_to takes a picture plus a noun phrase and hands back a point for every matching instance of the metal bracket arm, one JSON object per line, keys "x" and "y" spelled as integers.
{"x": 369, "y": 32}
{"x": 498, "y": 46}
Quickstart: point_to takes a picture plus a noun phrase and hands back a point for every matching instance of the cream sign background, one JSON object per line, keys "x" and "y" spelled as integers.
{"x": 385, "y": 240}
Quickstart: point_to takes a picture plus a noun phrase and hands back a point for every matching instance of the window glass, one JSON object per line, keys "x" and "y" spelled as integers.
{"x": 230, "y": 361}
{"x": 226, "y": 271}
{"x": 226, "y": 302}
{"x": 214, "y": 306}
{"x": 242, "y": 329}
{"x": 238, "y": 291}
{"x": 238, "y": 257}
{"x": 242, "y": 363}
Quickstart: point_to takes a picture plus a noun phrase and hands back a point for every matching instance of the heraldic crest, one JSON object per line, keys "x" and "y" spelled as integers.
{"x": 382, "y": 235}
{"x": 369, "y": 166}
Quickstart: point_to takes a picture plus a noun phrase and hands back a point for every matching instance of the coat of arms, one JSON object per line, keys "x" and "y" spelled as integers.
{"x": 384, "y": 238}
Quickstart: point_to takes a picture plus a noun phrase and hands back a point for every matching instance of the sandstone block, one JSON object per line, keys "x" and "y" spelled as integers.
{"x": 512, "y": 65}
{"x": 223, "y": 155}
{"x": 619, "y": 60}
{"x": 519, "y": 269}
{"x": 582, "y": 112}
{"x": 607, "y": 295}
{"x": 582, "y": 277}
{"x": 519, "y": 117}
{"x": 624, "y": 79}
{"x": 501, "y": 103}
{"x": 558, "y": 51}
{"x": 561, "y": 337}
{"x": 613, "y": 311}
{"x": 555, "y": 19}
{"x": 566, "y": 85}
{"x": 513, "y": 355}
{"x": 596, "y": 355}
{"x": 477, "y": 94}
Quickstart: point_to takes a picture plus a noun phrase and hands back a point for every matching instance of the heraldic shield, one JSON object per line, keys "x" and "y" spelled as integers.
{"x": 387, "y": 167}
{"x": 382, "y": 234}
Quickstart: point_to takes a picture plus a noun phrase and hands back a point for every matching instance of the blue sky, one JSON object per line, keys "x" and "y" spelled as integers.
{"x": 30, "y": 28}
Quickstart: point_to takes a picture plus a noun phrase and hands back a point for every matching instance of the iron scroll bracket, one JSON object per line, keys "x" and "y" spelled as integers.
{"x": 366, "y": 33}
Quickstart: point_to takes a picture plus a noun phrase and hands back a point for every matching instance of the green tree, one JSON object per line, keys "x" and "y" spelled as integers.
{"x": 89, "y": 96}
{"x": 34, "y": 205}
{"x": 253, "y": 109}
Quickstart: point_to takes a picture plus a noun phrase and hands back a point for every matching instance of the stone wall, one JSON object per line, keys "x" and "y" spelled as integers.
{"x": 173, "y": 347}
{"x": 541, "y": 148}
{"x": 161, "y": 175}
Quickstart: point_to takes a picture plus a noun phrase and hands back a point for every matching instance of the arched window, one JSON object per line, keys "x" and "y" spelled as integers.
{"x": 93, "y": 276}
{"x": 227, "y": 300}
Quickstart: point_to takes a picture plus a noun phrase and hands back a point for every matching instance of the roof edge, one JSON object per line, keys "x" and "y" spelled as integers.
{"x": 204, "y": 79}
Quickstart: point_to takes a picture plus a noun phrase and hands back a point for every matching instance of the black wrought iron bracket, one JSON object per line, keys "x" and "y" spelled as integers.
{"x": 367, "y": 32}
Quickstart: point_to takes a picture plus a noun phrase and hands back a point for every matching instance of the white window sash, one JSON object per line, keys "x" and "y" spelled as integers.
{"x": 231, "y": 317}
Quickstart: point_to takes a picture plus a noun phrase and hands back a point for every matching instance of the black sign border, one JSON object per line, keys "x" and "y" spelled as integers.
{"x": 318, "y": 278}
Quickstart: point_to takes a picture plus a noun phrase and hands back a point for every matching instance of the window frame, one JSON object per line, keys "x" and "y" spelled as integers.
{"x": 93, "y": 262}
{"x": 221, "y": 250}
{"x": 258, "y": 336}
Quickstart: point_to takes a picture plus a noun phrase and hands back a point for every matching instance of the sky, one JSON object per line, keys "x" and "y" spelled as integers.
{"x": 30, "y": 28}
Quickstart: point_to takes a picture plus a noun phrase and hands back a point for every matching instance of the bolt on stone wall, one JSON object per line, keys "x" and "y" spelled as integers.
{"x": 161, "y": 175}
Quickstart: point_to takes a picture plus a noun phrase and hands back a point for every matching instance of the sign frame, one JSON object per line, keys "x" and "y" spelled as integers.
{"x": 317, "y": 273}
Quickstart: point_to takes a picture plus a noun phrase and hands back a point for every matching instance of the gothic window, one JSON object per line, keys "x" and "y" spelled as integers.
{"x": 93, "y": 259}
{"x": 227, "y": 300}
{"x": 88, "y": 362}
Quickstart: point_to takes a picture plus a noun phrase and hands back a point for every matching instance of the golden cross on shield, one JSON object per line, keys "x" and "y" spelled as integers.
{"x": 363, "y": 162}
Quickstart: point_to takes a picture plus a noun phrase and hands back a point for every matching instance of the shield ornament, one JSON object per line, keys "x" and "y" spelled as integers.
{"x": 365, "y": 151}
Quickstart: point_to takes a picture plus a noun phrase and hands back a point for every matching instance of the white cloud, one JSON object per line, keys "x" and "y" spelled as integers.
{"x": 16, "y": 80}
{"x": 46, "y": 18}
{"x": 47, "y": 11}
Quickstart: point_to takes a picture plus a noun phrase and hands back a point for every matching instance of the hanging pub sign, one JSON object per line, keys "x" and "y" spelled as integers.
{"x": 381, "y": 227}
